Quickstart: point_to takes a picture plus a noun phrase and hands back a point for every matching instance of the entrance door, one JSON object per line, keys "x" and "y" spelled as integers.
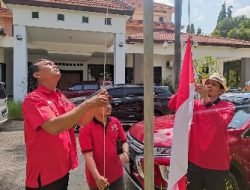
{"x": 68, "y": 78}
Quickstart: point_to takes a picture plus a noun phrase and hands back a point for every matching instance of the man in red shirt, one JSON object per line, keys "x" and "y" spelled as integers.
{"x": 208, "y": 141}
{"x": 98, "y": 141}
{"x": 49, "y": 118}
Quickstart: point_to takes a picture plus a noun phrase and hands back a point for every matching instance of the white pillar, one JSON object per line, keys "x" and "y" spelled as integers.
{"x": 119, "y": 59}
{"x": 20, "y": 66}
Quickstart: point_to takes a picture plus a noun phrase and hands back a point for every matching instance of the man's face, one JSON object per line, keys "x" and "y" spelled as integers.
{"x": 47, "y": 70}
{"x": 214, "y": 88}
{"x": 106, "y": 110}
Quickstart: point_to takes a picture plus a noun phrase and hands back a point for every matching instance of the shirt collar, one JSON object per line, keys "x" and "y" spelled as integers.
{"x": 44, "y": 89}
{"x": 98, "y": 122}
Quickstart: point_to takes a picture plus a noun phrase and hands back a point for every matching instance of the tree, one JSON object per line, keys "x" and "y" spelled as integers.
{"x": 204, "y": 67}
{"x": 199, "y": 31}
{"x": 222, "y": 14}
{"x": 234, "y": 27}
{"x": 188, "y": 29}
{"x": 229, "y": 11}
{"x": 177, "y": 47}
{"x": 192, "y": 29}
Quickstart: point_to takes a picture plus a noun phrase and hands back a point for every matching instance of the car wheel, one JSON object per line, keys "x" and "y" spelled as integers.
{"x": 231, "y": 183}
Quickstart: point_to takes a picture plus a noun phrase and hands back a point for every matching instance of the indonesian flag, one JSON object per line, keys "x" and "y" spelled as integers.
{"x": 183, "y": 117}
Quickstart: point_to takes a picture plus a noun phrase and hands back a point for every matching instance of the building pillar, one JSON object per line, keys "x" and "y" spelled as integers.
{"x": 245, "y": 69}
{"x": 20, "y": 66}
{"x": 119, "y": 58}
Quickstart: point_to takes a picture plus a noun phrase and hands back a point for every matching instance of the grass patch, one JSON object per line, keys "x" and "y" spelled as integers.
{"x": 15, "y": 110}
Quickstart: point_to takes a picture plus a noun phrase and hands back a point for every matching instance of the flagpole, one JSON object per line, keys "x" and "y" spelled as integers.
{"x": 148, "y": 95}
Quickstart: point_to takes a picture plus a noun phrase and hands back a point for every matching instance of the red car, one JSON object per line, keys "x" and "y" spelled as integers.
{"x": 84, "y": 88}
{"x": 239, "y": 144}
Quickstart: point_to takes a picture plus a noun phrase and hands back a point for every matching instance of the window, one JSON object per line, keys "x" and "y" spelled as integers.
{"x": 161, "y": 19}
{"x": 108, "y": 21}
{"x": 60, "y": 17}
{"x": 85, "y": 19}
{"x": 35, "y": 14}
{"x": 133, "y": 91}
{"x": 116, "y": 92}
{"x": 76, "y": 87}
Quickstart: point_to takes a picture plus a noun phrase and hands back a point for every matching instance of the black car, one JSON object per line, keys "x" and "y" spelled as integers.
{"x": 128, "y": 102}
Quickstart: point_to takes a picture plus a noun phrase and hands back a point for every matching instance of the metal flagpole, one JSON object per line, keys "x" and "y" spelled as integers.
{"x": 148, "y": 95}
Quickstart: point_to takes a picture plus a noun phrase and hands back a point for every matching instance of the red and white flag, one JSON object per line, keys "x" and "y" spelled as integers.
{"x": 183, "y": 118}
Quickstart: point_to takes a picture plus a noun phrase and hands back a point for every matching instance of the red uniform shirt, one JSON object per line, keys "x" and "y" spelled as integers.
{"x": 208, "y": 140}
{"x": 49, "y": 157}
{"x": 91, "y": 138}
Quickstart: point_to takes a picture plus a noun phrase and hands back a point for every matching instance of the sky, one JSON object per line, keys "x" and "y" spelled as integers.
{"x": 204, "y": 13}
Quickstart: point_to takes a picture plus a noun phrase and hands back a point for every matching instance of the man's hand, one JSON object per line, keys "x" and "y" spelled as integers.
{"x": 100, "y": 99}
{"x": 101, "y": 182}
{"x": 124, "y": 157}
{"x": 202, "y": 90}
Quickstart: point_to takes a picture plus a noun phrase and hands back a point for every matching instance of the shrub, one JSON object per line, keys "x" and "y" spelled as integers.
{"x": 14, "y": 108}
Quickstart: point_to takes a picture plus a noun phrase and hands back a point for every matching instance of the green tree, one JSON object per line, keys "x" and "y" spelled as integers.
{"x": 234, "y": 27}
{"x": 222, "y": 14}
{"x": 192, "y": 29}
{"x": 229, "y": 11}
{"x": 188, "y": 29}
{"x": 204, "y": 67}
{"x": 199, "y": 31}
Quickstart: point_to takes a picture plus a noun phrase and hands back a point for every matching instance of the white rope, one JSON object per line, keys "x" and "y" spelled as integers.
{"x": 103, "y": 86}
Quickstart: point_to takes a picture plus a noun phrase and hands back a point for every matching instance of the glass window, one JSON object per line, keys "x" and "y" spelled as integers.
{"x": 242, "y": 114}
{"x": 116, "y": 93}
{"x": 108, "y": 21}
{"x": 60, "y": 17}
{"x": 35, "y": 14}
{"x": 85, "y": 19}
{"x": 161, "y": 19}
{"x": 90, "y": 86}
{"x": 133, "y": 91}
{"x": 76, "y": 87}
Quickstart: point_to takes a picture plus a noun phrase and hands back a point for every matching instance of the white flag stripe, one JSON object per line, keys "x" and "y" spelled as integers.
{"x": 179, "y": 154}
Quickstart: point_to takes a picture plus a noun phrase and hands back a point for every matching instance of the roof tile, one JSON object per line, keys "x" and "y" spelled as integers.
{"x": 5, "y": 12}
{"x": 160, "y": 37}
{"x": 113, "y": 6}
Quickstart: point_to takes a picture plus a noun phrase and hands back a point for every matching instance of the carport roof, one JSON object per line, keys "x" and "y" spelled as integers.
{"x": 114, "y": 6}
{"x": 162, "y": 36}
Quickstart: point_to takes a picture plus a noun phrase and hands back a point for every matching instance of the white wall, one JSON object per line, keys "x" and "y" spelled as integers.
{"x": 73, "y": 19}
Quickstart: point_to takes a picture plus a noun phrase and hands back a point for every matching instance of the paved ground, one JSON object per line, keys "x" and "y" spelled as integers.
{"x": 12, "y": 161}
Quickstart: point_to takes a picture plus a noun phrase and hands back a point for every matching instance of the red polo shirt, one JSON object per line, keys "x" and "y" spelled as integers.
{"x": 91, "y": 138}
{"x": 49, "y": 157}
{"x": 208, "y": 138}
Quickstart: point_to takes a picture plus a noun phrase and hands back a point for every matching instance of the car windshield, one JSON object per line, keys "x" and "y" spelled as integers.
{"x": 242, "y": 114}
{"x": 242, "y": 108}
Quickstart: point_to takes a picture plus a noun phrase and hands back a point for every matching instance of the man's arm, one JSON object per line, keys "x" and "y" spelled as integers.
{"x": 124, "y": 157}
{"x": 101, "y": 181}
{"x": 67, "y": 120}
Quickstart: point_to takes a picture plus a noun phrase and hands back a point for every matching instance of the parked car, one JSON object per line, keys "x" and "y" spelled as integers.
{"x": 3, "y": 104}
{"x": 128, "y": 102}
{"x": 239, "y": 144}
{"x": 84, "y": 88}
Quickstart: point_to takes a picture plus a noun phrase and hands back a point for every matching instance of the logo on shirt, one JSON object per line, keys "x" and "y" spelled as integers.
{"x": 114, "y": 127}
{"x": 49, "y": 102}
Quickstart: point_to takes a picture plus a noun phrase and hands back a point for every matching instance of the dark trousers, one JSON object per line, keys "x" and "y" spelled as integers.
{"x": 200, "y": 178}
{"x": 116, "y": 185}
{"x": 60, "y": 184}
